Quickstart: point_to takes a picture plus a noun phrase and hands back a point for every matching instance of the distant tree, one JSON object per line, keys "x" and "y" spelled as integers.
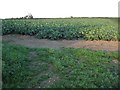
{"x": 29, "y": 16}
{"x": 71, "y": 16}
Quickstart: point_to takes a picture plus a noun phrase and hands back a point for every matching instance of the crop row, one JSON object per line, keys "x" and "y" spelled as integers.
{"x": 87, "y": 28}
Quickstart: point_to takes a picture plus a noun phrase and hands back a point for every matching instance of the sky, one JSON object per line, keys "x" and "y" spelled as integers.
{"x": 58, "y": 8}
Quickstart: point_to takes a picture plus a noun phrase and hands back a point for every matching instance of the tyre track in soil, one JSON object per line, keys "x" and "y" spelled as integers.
{"x": 34, "y": 65}
{"x": 32, "y": 42}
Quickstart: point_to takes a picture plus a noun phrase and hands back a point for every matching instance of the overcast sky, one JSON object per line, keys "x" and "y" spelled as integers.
{"x": 58, "y": 8}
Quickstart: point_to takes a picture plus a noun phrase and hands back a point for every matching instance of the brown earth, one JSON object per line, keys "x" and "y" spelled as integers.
{"x": 32, "y": 42}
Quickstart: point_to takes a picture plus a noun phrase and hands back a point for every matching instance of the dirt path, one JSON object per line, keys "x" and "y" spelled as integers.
{"x": 33, "y": 42}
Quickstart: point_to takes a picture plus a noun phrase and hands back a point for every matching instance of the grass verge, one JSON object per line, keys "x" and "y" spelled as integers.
{"x": 81, "y": 68}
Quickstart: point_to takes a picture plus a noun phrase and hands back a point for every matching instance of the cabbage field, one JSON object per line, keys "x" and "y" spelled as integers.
{"x": 64, "y": 28}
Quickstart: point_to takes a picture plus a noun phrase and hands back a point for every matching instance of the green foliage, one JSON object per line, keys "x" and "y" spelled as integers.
{"x": 73, "y": 28}
{"x": 18, "y": 71}
{"x": 14, "y": 65}
{"x": 82, "y": 68}
{"x": 76, "y": 68}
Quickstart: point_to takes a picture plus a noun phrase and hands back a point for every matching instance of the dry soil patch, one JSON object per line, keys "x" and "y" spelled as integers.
{"x": 32, "y": 42}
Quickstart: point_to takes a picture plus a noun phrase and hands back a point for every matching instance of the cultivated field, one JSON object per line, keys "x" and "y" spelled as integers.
{"x": 83, "y": 28}
{"x": 60, "y": 53}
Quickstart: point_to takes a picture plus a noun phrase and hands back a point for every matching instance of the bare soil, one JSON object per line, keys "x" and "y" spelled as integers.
{"x": 32, "y": 42}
